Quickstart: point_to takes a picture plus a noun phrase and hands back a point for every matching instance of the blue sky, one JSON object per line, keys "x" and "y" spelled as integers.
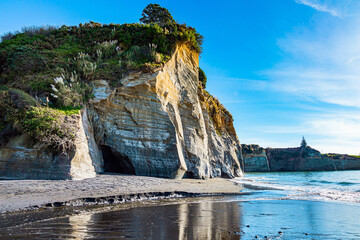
{"x": 284, "y": 68}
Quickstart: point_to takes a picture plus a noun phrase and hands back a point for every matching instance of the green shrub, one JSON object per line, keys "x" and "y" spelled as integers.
{"x": 49, "y": 127}
{"x": 4, "y": 88}
{"x": 202, "y": 78}
{"x": 25, "y": 97}
{"x": 69, "y": 91}
{"x": 68, "y": 111}
{"x": 9, "y": 113}
{"x": 25, "y": 59}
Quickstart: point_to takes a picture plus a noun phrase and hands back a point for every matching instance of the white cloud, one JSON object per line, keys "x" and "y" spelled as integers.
{"x": 321, "y": 63}
{"x": 322, "y": 7}
{"x": 319, "y": 85}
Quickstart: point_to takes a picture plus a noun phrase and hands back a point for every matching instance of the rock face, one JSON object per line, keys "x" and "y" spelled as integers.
{"x": 156, "y": 125}
{"x": 300, "y": 159}
{"x": 255, "y": 159}
{"x": 23, "y": 158}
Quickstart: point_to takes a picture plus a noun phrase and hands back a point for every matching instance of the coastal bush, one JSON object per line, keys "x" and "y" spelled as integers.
{"x": 36, "y": 30}
{"x": 69, "y": 91}
{"x": 7, "y": 36}
{"x": 202, "y": 78}
{"x": 8, "y": 111}
{"x": 50, "y": 127}
{"x": 26, "y": 98}
{"x": 13, "y": 105}
{"x": 24, "y": 59}
{"x": 44, "y": 49}
{"x": 30, "y": 31}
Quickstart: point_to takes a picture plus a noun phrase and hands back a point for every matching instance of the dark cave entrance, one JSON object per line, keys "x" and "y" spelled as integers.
{"x": 115, "y": 162}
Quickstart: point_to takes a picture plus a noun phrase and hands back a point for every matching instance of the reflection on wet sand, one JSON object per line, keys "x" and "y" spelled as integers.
{"x": 209, "y": 219}
{"x": 202, "y": 220}
{"x": 79, "y": 225}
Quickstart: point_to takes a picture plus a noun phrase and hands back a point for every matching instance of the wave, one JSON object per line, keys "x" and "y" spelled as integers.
{"x": 328, "y": 182}
{"x": 304, "y": 192}
{"x": 346, "y": 183}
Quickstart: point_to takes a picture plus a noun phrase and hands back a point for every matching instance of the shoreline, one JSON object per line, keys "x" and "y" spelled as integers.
{"x": 104, "y": 189}
{"x": 188, "y": 208}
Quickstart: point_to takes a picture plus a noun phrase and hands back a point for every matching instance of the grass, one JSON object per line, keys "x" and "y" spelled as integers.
{"x": 25, "y": 96}
{"x": 68, "y": 111}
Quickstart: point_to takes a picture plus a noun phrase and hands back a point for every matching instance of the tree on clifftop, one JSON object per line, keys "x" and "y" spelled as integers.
{"x": 303, "y": 142}
{"x": 154, "y": 13}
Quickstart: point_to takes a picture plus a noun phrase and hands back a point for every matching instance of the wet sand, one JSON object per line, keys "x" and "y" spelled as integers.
{"x": 22, "y": 194}
{"x": 226, "y": 213}
{"x": 200, "y": 218}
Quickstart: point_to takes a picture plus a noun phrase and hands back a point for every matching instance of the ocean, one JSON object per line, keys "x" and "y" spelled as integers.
{"x": 334, "y": 186}
{"x": 287, "y": 205}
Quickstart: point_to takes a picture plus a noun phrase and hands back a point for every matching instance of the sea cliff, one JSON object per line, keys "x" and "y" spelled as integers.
{"x": 155, "y": 123}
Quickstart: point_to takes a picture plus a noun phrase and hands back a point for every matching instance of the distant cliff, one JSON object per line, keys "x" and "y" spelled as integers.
{"x": 257, "y": 159}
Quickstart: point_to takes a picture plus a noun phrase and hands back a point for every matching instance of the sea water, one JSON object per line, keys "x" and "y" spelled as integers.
{"x": 336, "y": 186}
{"x": 287, "y": 205}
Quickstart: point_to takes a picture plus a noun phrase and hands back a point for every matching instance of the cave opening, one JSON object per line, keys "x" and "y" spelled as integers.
{"x": 115, "y": 162}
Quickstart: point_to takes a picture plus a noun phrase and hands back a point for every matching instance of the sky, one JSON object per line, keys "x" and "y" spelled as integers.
{"x": 283, "y": 68}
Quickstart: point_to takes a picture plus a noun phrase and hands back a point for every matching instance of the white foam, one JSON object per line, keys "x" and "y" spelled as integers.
{"x": 301, "y": 192}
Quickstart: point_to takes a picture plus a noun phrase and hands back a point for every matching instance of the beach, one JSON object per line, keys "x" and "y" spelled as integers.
{"x": 23, "y": 194}
{"x": 302, "y": 205}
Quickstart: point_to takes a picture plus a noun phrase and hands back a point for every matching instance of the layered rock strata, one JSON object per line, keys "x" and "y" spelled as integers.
{"x": 255, "y": 159}
{"x": 154, "y": 124}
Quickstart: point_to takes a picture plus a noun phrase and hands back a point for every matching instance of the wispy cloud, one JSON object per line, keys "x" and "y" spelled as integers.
{"x": 321, "y": 63}
{"x": 322, "y": 7}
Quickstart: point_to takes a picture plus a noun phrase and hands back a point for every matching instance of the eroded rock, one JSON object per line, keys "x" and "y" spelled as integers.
{"x": 157, "y": 124}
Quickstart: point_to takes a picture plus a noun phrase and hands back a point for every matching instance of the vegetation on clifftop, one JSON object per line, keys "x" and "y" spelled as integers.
{"x": 50, "y": 70}
{"x": 33, "y": 59}
{"x": 21, "y": 113}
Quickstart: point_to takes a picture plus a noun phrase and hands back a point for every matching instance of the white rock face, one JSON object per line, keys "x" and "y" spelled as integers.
{"x": 156, "y": 125}
{"x": 87, "y": 159}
